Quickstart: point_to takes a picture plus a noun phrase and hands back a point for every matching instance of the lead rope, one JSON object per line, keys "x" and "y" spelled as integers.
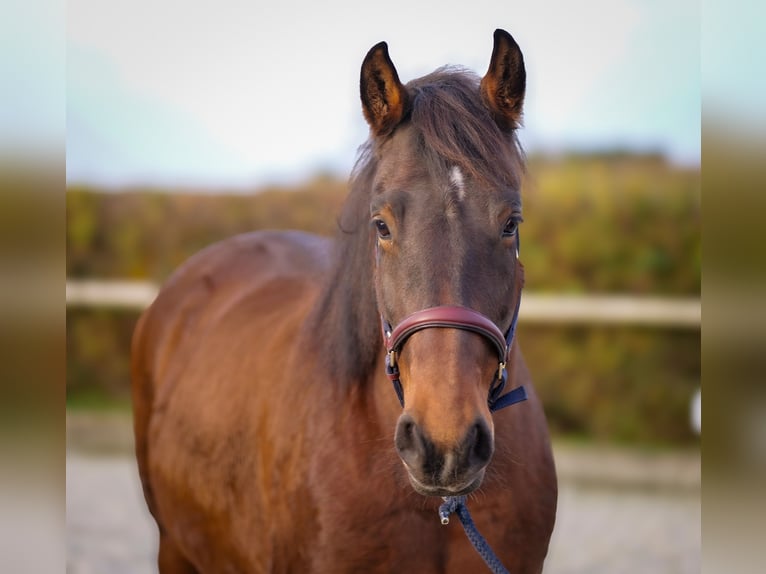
{"x": 457, "y": 505}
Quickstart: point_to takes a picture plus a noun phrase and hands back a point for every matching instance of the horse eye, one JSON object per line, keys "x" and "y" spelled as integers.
{"x": 382, "y": 229}
{"x": 511, "y": 226}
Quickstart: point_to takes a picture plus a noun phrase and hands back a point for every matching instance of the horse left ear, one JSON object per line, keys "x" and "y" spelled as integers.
{"x": 502, "y": 88}
{"x": 384, "y": 99}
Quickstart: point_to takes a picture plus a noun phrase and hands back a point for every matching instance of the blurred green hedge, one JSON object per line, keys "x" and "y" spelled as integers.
{"x": 631, "y": 385}
{"x": 608, "y": 223}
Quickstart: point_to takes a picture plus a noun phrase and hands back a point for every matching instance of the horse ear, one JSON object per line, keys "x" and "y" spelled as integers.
{"x": 384, "y": 99}
{"x": 502, "y": 88}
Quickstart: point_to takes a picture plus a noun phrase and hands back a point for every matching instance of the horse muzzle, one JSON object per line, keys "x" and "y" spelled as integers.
{"x": 435, "y": 470}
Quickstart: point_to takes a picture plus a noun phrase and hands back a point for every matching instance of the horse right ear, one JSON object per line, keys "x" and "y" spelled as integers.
{"x": 503, "y": 86}
{"x": 385, "y": 100}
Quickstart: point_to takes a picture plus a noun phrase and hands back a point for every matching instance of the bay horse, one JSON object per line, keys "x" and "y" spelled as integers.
{"x": 268, "y": 436}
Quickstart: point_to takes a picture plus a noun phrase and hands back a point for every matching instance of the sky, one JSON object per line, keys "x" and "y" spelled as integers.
{"x": 238, "y": 94}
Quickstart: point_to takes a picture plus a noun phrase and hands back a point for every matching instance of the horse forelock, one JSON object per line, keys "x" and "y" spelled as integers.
{"x": 456, "y": 129}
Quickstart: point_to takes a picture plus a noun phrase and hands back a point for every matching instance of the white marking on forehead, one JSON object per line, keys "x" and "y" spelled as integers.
{"x": 456, "y": 179}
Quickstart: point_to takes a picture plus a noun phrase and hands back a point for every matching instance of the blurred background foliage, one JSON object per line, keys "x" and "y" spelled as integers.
{"x": 594, "y": 223}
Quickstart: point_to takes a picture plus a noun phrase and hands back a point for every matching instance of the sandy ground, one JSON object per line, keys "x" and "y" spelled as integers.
{"x": 620, "y": 511}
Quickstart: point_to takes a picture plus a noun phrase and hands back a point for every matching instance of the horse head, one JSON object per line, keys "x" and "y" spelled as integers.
{"x": 444, "y": 170}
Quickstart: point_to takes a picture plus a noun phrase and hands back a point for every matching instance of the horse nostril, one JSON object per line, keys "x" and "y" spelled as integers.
{"x": 480, "y": 443}
{"x": 409, "y": 441}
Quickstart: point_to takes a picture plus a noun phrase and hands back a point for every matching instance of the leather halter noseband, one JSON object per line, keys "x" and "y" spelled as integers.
{"x": 455, "y": 317}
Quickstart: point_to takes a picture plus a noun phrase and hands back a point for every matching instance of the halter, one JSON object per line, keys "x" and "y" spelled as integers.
{"x": 456, "y": 317}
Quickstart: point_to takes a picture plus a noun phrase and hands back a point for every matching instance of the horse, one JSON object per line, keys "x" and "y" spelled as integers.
{"x": 268, "y": 435}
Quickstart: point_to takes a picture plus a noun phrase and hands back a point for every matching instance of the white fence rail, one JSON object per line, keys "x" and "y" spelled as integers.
{"x": 675, "y": 312}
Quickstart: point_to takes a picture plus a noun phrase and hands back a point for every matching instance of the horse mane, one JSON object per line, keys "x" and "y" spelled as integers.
{"x": 454, "y": 128}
